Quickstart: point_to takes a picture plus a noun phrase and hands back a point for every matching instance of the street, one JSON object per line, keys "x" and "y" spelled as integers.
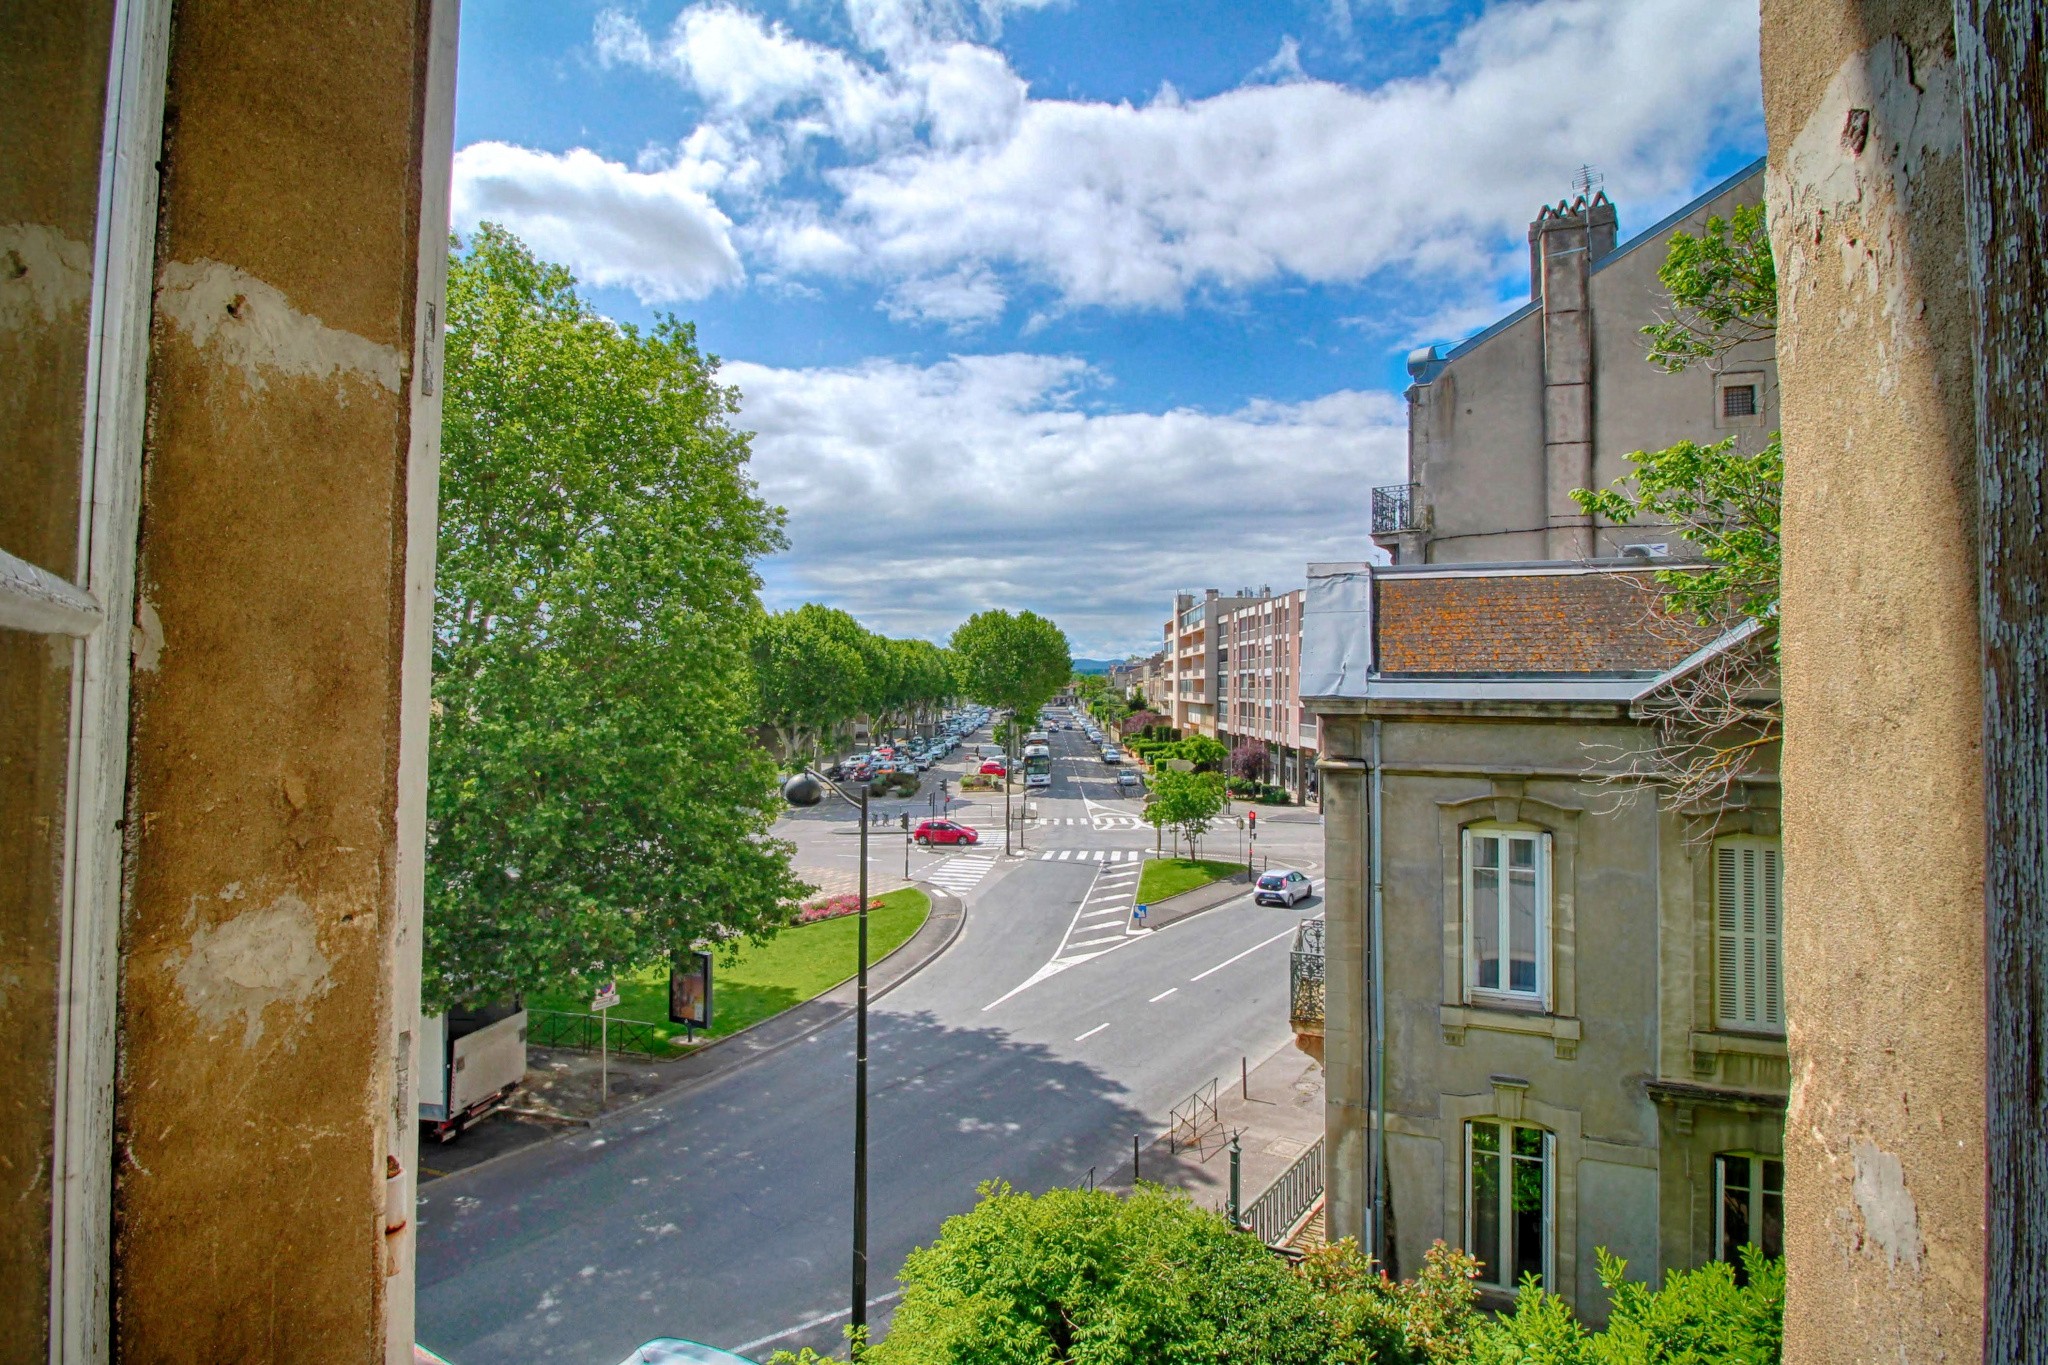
{"x": 1032, "y": 1051}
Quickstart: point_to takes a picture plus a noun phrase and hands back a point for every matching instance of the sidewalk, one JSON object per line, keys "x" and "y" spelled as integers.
{"x": 1280, "y": 1120}
{"x": 560, "y": 1094}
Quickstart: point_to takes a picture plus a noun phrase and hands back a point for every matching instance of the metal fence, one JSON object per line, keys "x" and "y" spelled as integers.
{"x": 1191, "y": 1118}
{"x": 1305, "y": 978}
{"x": 1288, "y": 1198}
{"x": 631, "y": 1037}
{"x": 1393, "y": 508}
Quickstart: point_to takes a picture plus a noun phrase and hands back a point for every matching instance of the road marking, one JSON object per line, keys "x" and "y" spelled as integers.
{"x": 1162, "y": 995}
{"x": 814, "y": 1322}
{"x": 959, "y": 874}
{"x": 1246, "y": 953}
{"x": 1091, "y": 1033}
{"x": 1098, "y": 914}
{"x": 1094, "y": 942}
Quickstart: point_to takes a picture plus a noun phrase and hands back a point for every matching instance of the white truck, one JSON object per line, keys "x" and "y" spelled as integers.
{"x": 470, "y": 1063}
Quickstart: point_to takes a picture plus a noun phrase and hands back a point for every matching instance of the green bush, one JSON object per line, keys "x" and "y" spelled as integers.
{"x": 1699, "y": 1317}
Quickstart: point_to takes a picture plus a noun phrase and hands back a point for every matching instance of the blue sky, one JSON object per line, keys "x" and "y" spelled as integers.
{"x": 1070, "y": 304}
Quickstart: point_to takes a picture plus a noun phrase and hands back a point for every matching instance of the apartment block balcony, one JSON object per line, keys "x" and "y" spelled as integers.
{"x": 1396, "y": 508}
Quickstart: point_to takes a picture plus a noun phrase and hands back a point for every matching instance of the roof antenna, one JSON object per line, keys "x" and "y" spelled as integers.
{"x": 1586, "y": 180}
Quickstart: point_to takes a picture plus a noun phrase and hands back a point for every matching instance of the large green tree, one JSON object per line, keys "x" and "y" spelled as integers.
{"x": 1019, "y": 660}
{"x": 810, "y": 673}
{"x": 595, "y": 797}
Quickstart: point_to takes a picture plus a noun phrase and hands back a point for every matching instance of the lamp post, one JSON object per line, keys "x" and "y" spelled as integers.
{"x": 808, "y": 788}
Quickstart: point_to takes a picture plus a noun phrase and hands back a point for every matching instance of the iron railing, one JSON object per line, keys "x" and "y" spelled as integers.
{"x": 1273, "y": 1213}
{"x": 1394, "y": 508}
{"x": 1191, "y": 1118}
{"x": 1305, "y": 978}
{"x": 556, "y": 1028}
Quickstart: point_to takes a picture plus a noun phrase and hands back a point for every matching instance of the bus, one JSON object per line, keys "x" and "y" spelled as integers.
{"x": 1037, "y": 766}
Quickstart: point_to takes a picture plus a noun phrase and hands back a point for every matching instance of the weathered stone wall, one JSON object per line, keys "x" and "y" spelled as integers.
{"x": 1883, "y": 780}
{"x": 256, "y": 1000}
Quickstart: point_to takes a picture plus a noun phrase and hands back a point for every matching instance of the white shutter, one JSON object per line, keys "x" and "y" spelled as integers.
{"x": 1749, "y": 990}
{"x": 1727, "y": 939}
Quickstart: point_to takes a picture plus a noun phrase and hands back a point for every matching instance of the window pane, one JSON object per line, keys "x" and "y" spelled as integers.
{"x": 1483, "y": 1199}
{"x": 1734, "y": 1181}
{"x": 1522, "y": 925}
{"x": 53, "y": 68}
{"x": 1529, "y": 1209}
{"x": 1486, "y": 912}
{"x": 1770, "y": 1231}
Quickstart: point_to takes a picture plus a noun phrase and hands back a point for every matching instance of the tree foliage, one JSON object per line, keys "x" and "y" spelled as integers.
{"x": 1723, "y": 286}
{"x": 1184, "y": 803}
{"x": 1018, "y": 660}
{"x": 810, "y": 674}
{"x": 595, "y": 798}
{"x": 1074, "y": 1277}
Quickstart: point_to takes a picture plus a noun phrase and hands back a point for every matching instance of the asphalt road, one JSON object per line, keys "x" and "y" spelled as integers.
{"x": 1031, "y": 1052}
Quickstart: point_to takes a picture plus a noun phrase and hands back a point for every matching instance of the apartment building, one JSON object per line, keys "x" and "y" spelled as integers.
{"x": 1259, "y": 693}
{"x": 1554, "y": 397}
{"x": 1191, "y": 690}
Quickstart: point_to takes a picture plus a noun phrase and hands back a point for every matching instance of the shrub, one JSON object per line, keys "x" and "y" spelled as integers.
{"x": 832, "y": 907}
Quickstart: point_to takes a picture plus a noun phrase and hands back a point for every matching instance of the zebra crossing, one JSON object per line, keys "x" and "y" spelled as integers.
{"x": 1090, "y": 855}
{"x": 959, "y": 874}
{"x": 1104, "y": 919}
{"x": 1088, "y": 821}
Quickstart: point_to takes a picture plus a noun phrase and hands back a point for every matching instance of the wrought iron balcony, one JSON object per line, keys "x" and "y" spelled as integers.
{"x": 1305, "y": 978}
{"x": 1395, "y": 508}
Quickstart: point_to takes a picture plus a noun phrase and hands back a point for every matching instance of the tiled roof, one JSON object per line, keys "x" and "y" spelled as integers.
{"x": 1465, "y": 624}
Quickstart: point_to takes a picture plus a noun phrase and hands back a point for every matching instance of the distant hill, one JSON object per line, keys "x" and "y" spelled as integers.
{"x": 1094, "y": 665}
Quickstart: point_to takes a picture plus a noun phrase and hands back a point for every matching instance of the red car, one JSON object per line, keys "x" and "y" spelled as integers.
{"x": 994, "y": 768}
{"x": 931, "y": 832}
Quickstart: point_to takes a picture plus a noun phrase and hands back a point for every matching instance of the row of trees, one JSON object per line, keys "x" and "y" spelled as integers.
{"x": 597, "y": 797}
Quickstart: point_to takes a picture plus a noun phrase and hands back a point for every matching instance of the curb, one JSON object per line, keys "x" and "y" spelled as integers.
{"x": 599, "y": 1122}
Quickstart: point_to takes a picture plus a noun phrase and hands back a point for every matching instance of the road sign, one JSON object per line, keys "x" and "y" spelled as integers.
{"x": 1139, "y": 912}
{"x": 606, "y": 997}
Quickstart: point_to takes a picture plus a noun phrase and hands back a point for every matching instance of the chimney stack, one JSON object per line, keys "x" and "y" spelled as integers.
{"x": 1564, "y": 241}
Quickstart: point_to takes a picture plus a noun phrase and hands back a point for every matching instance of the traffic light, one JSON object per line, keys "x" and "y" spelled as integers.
{"x": 905, "y": 818}
{"x": 1252, "y": 817}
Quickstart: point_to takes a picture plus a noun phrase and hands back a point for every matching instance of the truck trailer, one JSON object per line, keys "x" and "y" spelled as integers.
{"x": 471, "y": 1060}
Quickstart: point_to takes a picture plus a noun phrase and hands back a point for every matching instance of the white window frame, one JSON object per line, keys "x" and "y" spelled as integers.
{"x": 1474, "y": 992}
{"x": 1756, "y": 1198}
{"x": 94, "y": 607}
{"x": 1505, "y": 1217}
{"x": 1749, "y": 935}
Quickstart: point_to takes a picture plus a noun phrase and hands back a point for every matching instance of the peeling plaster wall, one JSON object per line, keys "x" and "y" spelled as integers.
{"x": 1883, "y": 805}
{"x": 255, "y": 1004}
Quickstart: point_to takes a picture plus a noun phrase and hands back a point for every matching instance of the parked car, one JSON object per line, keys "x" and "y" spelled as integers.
{"x": 929, "y": 832}
{"x": 1281, "y": 886}
{"x": 1129, "y": 778}
{"x": 1112, "y": 755}
{"x": 993, "y": 767}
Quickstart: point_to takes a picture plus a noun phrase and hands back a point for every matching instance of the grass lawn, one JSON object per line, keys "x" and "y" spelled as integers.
{"x": 1165, "y": 877}
{"x": 769, "y": 977}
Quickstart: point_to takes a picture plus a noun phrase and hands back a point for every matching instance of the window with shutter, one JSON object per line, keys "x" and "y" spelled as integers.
{"x": 1749, "y": 990}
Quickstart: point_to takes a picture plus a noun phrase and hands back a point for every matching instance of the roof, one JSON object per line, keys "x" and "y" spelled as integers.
{"x": 1609, "y": 623}
{"x": 1587, "y": 631}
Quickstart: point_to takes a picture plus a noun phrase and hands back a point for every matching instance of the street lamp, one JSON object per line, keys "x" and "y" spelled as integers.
{"x": 808, "y": 788}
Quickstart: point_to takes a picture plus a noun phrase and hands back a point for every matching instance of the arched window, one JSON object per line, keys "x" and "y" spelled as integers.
{"x": 1507, "y": 913}
{"x": 1508, "y": 1201}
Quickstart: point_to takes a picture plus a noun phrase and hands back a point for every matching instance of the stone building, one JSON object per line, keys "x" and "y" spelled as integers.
{"x": 1554, "y": 396}
{"x": 1554, "y": 1009}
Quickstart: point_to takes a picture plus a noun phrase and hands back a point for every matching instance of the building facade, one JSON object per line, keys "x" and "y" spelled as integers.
{"x": 1554, "y": 397}
{"x": 1191, "y": 680}
{"x": 1258, "y": 692}
{"x": 1554, "y": 1009}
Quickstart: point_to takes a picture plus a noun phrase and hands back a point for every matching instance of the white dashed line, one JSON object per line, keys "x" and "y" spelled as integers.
{"x": 1162, "y": 995}
{"x": 1091, "y": 1033}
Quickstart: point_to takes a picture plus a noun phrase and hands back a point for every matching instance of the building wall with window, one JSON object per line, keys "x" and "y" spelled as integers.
{"x": 1259, "y": 689}
{"x": 1554, "y": 396}
{"x": 1581, "y": 1009}
{"x": 1195, "y": 659}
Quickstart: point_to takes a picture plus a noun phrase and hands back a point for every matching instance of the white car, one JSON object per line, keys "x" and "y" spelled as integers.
{"x": 1129, "y": 778}
{"x": 1282, "y": 886}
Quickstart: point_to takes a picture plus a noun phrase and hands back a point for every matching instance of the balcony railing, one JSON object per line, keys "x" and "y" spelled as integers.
{"x": 1394, "y": 508}
{"x": 1305, "y": 978}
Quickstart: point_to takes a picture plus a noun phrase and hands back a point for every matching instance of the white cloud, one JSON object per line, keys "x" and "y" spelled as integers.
{"x": 657, "y": 233}
{"x": 1135, "y": 207}
{"x": 921, "y": 494}
{"x": 1282, "y": 66}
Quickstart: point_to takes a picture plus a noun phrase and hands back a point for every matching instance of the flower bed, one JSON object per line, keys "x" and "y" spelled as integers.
{"x": 832, "y": 907}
